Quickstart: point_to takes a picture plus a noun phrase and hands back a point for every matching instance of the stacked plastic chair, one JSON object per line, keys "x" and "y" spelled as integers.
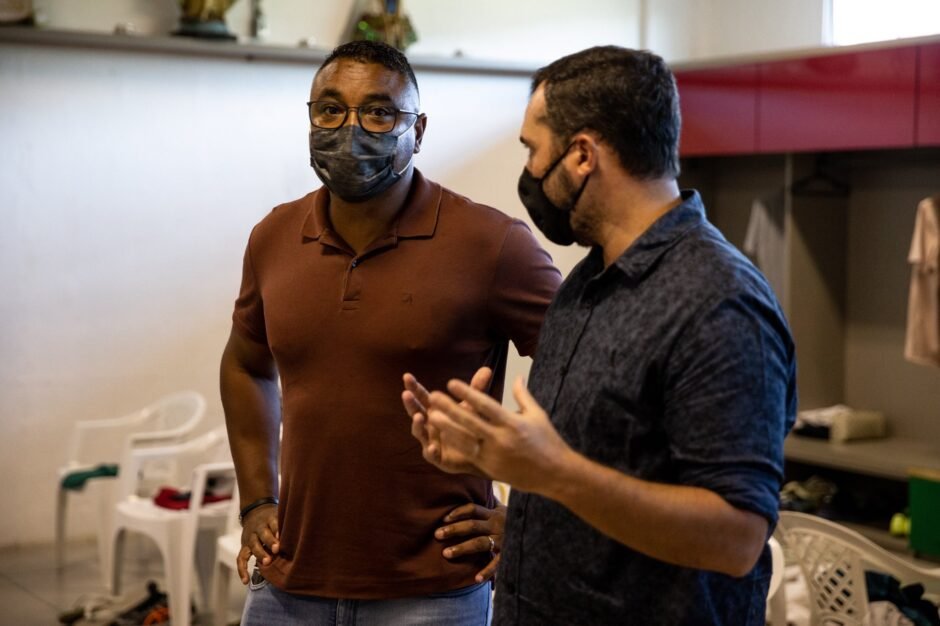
{"x": 833, "y": 560}
{"x": 176, "y": 532}
{"x": 95, "y": 451}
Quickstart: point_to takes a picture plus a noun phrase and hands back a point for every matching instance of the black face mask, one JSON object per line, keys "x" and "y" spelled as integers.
{"x": 354, "y": 164}
{"x": 554, "y": 221}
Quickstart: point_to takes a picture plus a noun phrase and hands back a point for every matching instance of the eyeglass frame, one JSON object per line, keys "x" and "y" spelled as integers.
{"x": 359, "y": 119}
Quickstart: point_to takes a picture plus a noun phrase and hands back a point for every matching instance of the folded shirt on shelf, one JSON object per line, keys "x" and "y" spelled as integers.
{"x": 840, "y": 423}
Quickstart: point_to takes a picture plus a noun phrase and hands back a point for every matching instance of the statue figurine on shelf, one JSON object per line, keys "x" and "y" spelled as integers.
{"x": 204, "y": 19}
{"x": 389, "y": 24}
{"x": 16, "y": 13}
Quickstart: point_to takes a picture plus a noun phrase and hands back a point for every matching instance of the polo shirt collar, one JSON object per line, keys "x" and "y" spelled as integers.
{"x": 417, "y": 219}
{"x": 658, "y": 238}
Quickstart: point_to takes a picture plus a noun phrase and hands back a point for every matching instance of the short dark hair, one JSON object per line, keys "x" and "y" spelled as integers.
{"x": 628, "y": 97}
{"x": 373, "y": 52}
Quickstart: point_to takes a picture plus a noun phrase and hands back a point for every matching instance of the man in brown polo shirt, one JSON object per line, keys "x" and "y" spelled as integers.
{"x": 377, "y": 273}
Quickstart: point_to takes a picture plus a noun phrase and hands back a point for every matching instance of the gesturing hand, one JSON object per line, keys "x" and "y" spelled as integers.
{"x": 439, "y": 448}
{"x": 522, "y": 449}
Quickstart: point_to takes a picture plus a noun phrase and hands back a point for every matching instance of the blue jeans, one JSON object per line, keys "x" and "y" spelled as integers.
{"x": 269, "y": 606}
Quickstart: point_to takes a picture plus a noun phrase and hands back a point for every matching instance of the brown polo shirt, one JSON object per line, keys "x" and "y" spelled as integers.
{"x": 439, "y": 295}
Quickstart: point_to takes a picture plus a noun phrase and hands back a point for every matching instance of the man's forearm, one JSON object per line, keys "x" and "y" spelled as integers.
{"x": 252, "y": 418}
{"x": 682, "y": 525}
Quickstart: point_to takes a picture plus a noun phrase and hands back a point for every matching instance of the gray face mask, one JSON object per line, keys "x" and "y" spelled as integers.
{"x": 354, "y": 164}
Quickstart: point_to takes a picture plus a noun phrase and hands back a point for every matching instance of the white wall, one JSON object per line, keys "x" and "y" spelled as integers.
{"x": 129, "y": 183}
{"x": 689, "y": 30}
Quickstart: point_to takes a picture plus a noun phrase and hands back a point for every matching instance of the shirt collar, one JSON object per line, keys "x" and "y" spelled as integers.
{"x": 417, "y": 219}
{"x": 658, "y": 238}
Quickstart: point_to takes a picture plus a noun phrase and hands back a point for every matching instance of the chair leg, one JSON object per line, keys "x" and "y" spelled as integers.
{"x": 221, "y": 579}
{"x": 60, "y": 508}
{"x": 778, "y": 606}
{"x": 116, "y": 556}
{"x": 178, "y": 565}
{"x": 106, "y": 488}
{"x": 204, "y": 557}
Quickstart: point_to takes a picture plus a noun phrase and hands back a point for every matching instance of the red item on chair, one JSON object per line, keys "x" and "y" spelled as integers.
{"x": 170, "y": 498}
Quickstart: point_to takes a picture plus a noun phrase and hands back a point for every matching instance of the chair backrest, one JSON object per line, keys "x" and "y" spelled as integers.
{"x": 178, "y": 460}
{"x": 833, "y": 560}
{"x": 171, "y": 416}
{"x": 104, "y": 440}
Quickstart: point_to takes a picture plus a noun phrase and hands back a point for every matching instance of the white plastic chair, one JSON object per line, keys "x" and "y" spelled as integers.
{"x": 95, "y": 442}
{"x": 777, "y": 592}
{"x": 227, "y": 547}
{"x": 176, "y": 532}
{"x": 833, "y": 560}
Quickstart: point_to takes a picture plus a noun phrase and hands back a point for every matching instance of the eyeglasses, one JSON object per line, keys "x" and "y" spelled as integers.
{"x": 374, "y": 118}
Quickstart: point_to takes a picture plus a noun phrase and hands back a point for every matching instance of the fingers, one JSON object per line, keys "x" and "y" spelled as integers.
{"x": 489, "y": 571}
{"x": 525, "y": 400}
{"x": 256, "y": 546}
{"x": 481, "y": 379}
{"x": 453, "y": 417}
{"x": 241, "y": 564}
{"x": 467, "y": 528}
{"x": 476, "y": 545}
{"x": 434, "y": 451}
{"x": 468, "y": 511}
{"x": 419, "y": 429}
{"x": 411, "y": 404}
{"x": 416, "y": 389}
{"x": 477, "y": 400}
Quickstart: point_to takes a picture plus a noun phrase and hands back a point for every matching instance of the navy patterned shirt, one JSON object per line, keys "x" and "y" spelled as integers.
{"x": 674, "y": 365}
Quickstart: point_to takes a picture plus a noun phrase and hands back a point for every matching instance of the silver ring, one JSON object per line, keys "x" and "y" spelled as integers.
{"x": 492, "y": 543}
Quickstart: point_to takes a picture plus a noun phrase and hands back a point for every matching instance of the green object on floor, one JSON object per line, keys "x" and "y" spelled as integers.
{"x": 76, "y": 480}
{"x": 924, "y": 500}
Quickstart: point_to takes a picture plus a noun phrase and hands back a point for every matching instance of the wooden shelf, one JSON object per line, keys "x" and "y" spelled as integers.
{"x": 187, "y": 46}
{"x": 889, "y": 458}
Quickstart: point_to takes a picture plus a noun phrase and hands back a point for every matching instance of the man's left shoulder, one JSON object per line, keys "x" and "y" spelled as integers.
{"x": 455, "y": 206}
{"x": 708, "y": 265}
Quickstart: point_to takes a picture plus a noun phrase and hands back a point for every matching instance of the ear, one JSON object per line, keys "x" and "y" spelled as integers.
{"x": 587, "y": 149}
{"x": 420, "y": 125}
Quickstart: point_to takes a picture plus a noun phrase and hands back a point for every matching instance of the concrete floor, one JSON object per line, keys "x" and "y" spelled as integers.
{"x": 34, "y": 593}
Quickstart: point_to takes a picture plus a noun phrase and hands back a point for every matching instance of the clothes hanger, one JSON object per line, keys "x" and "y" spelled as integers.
{"x": 820, "y": 184}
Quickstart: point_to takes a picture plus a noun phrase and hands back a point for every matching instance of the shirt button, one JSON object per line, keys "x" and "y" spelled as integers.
{"x": 355, "y": 262}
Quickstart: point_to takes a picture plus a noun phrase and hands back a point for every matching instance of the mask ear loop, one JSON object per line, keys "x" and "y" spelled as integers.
{"x": 407, "y": 165}
{"x": 412, "y": 157}
{"x": 553, "y": 166}
{"x": 577, "y": 196}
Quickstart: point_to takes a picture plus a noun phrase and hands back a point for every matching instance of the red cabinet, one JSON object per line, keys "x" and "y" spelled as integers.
{"x": 719, "y": 110}
{"x": 840, "y": 101}
{"x": 928, "y": 96}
